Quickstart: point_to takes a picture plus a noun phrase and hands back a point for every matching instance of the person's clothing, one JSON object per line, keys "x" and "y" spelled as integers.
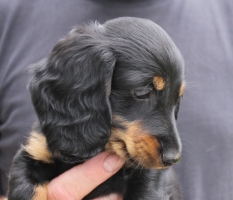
{"x": 203, "y": 32}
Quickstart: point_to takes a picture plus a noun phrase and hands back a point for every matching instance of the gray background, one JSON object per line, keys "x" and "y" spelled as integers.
{"x": 202, "y": 30}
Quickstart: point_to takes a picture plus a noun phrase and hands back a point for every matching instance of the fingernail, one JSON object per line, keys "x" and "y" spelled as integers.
{"x": 112, "y": 163}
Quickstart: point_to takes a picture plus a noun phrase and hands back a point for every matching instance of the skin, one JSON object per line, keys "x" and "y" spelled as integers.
{"x": 79, "y": 181}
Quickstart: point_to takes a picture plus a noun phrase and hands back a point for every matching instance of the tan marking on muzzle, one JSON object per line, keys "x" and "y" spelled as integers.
{"x": 135, "y": 145}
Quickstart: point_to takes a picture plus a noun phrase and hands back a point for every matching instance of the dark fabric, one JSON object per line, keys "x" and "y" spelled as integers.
{"x": 203, "y": 32}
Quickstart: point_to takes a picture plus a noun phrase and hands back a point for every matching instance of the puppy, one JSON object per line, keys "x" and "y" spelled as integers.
{"x": 114, "y": 87}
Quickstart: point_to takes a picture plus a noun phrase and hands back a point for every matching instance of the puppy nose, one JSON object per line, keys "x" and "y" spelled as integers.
{"x": 170, "y": 158}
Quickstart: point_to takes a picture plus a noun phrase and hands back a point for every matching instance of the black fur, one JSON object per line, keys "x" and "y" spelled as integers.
{"x": 89, "y": 77}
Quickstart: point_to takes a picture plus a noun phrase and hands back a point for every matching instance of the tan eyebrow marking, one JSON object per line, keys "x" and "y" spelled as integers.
{"x": 159, "y": 82}
{"x": 182, "y": 87}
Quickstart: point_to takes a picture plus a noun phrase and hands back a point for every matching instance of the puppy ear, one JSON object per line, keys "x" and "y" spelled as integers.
{"x": 70, "y": 92}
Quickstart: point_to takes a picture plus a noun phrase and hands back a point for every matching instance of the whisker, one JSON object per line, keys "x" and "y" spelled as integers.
{"x": 185, "y": 140}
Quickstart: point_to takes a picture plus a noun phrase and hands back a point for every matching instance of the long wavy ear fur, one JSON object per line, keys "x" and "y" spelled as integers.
{"x": 70, "y": 93}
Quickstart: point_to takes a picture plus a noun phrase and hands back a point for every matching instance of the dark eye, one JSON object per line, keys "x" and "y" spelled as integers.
{"x": 177, "y": 109}
{"x": 142, "y": 93}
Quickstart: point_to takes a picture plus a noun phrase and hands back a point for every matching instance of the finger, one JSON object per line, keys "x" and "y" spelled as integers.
{"x": 110, "y": 197}
{"x": 79, "y": 181}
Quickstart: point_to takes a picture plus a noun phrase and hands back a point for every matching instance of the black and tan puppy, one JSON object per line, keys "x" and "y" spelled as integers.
{"x": 115, "y": 86}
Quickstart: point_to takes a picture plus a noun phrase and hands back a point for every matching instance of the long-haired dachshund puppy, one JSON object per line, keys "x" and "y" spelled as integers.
{"x": 114, "y": 87}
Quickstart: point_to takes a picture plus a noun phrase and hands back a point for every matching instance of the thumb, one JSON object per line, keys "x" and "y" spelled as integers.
{"x": 82, "y": 179}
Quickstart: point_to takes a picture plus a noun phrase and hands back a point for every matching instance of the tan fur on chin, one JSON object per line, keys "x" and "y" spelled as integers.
{"x": 135, "y": 145}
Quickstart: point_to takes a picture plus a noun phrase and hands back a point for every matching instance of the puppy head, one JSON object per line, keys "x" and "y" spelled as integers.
{"x": 147, "y": 84}
{"x": 115, "y": 86}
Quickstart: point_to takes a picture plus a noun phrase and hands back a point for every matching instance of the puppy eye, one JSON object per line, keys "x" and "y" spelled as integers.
{"x": 177, "y": 109}
{"x": 142, "y": 93}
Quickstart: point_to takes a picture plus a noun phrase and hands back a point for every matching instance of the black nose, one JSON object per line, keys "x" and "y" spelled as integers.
{"x": 170, "y": 158}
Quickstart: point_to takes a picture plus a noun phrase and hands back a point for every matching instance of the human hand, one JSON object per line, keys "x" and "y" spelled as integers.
{"x": 79, "y": 181}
